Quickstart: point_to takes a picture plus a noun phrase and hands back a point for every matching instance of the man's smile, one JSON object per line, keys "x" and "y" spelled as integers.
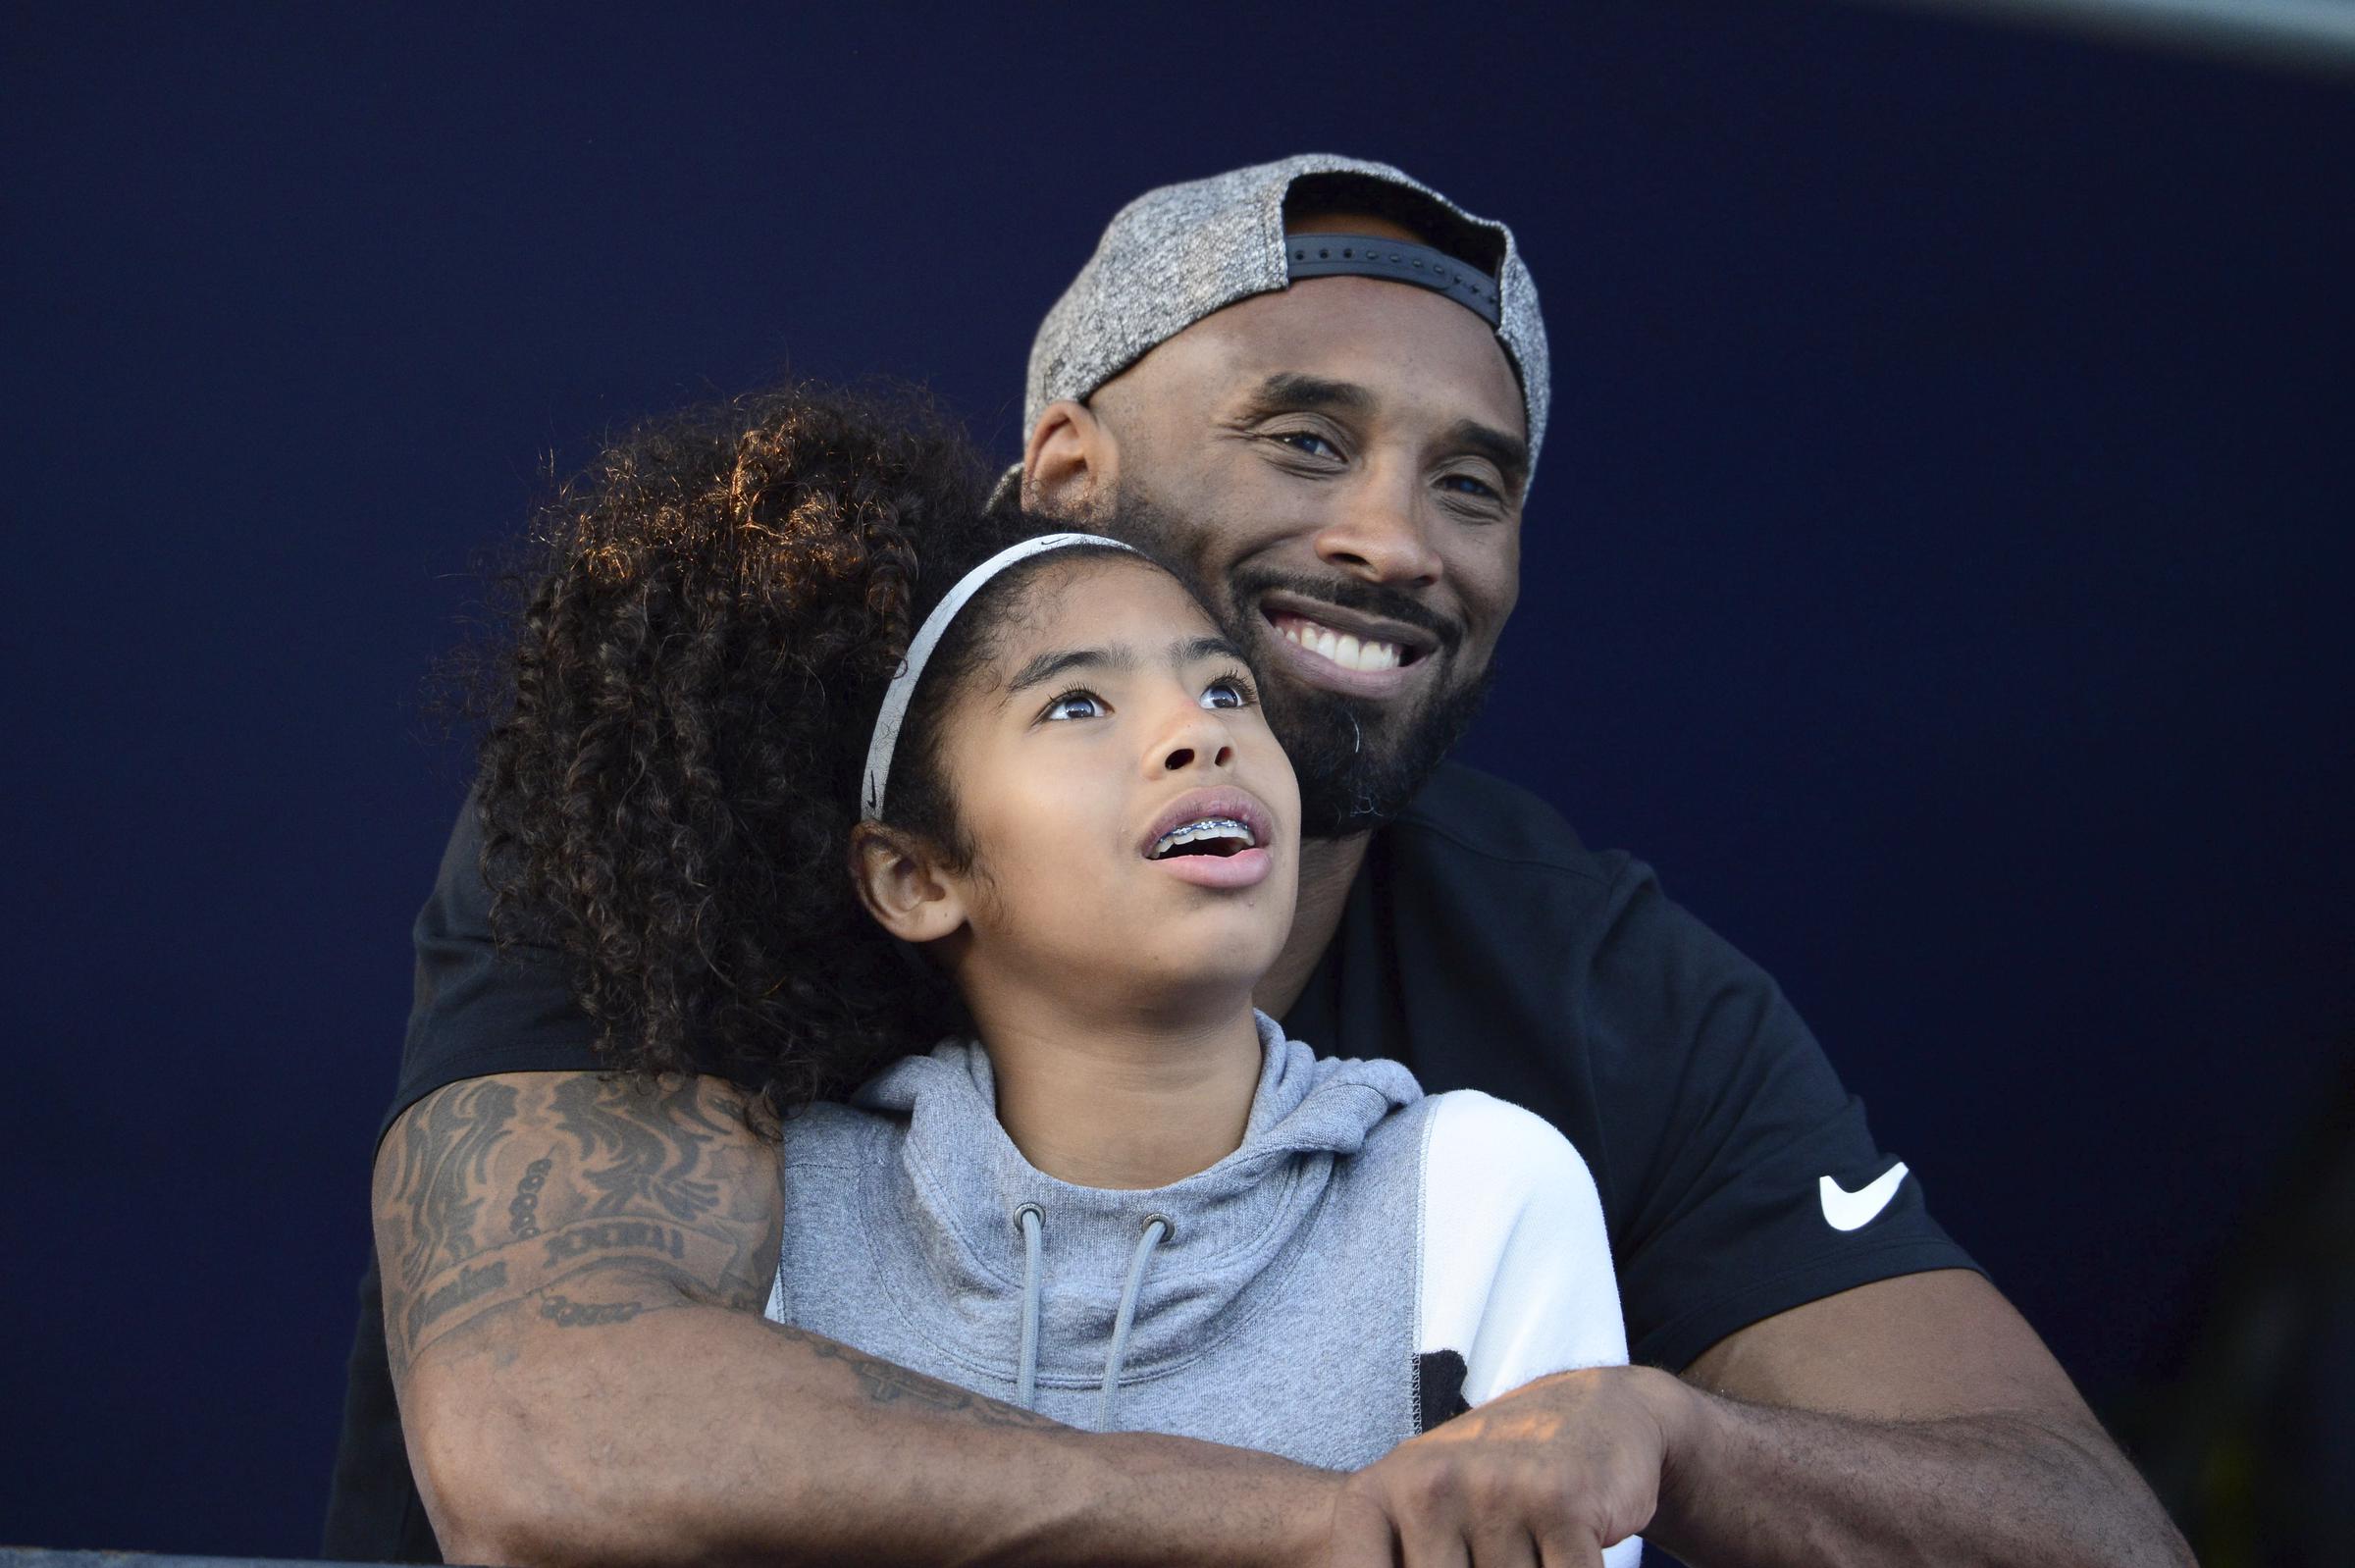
{"x": 1346, "y": 650}
{"x": 1341, "y": 648}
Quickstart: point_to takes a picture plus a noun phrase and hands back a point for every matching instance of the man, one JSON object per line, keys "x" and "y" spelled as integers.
{"x": 1320, "y": 389}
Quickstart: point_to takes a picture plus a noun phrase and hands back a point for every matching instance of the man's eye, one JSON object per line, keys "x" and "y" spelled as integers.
{"x": 1075, "y": 704}
{"x": 1308, "y": 443}
{"x": 1467, "y": 485}
{"x": 1231, "y": 691}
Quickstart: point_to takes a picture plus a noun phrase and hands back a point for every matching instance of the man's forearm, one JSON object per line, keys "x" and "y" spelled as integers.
{"x": 574, "y": 1271}
{"x": 596, "y": 1434}
{"x": 1752, "y": 1484}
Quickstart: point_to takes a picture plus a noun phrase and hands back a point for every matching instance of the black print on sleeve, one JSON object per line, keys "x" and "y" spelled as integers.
{"x": 1440, "y": 1374}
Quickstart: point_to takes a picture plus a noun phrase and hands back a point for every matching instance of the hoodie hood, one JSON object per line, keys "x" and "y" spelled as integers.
{"x": 950, "y": 1238}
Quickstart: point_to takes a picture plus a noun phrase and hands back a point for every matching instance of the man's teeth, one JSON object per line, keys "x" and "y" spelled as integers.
{"x": 1342, "y": 648}
{"x": 1210, "y": 828}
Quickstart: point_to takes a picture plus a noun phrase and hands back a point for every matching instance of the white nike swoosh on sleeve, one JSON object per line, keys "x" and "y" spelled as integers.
{"x": 1844, "y": 1209}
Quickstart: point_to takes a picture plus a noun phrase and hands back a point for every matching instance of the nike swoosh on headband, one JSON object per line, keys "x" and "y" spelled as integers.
{"x": 1844, "y": 1209}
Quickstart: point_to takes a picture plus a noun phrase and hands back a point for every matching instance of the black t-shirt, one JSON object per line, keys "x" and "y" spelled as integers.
{"x": 1484, "y": 946}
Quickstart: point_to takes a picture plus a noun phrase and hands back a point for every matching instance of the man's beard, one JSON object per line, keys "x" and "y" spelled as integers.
{"x": 1359, "y": 761}
{"x": 1353, "y": 779}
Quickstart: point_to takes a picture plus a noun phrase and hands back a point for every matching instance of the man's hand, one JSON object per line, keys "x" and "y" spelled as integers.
{"x": 1916, "y": 1421}
{"x": 1550, "y": 1474}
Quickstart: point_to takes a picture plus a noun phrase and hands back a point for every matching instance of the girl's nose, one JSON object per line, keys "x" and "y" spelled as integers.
{"x": 1201, "y": 738}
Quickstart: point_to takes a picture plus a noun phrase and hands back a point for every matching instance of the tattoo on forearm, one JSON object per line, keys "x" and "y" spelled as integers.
{"x": 886, "y": 1383}
{"x": 523, "y": 1214}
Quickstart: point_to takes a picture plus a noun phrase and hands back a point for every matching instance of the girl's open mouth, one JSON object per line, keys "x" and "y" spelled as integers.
{"x": 1213, "y": 838}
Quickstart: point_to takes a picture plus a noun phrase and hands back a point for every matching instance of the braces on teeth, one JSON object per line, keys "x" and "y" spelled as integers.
{"x": 1209, "y": 828}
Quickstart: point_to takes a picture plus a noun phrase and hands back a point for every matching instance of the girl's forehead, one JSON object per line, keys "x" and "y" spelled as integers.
{"x": 1099, "y": 598}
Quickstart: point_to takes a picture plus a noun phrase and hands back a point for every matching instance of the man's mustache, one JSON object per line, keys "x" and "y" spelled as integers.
{"x": 1346, "y": 593}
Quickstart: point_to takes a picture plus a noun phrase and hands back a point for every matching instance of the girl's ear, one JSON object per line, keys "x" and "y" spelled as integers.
{"x": 1071, "y": 463}
{"x": 901, "y": 886}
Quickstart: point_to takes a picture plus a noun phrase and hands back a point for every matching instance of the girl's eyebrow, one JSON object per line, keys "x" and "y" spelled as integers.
{"x": 1055, "y": 662}
{"x": 1201, "y": 648}
{"x": 1121, "y": 657}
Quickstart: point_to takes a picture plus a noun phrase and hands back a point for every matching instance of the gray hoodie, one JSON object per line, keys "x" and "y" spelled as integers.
{"x": 1366, "y": 1252}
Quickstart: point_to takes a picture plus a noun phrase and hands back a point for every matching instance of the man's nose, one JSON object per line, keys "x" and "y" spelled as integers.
{"x": 1381, "y": 535}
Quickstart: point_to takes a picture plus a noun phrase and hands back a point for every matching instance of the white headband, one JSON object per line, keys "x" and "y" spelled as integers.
{"x": 895, "y": 696}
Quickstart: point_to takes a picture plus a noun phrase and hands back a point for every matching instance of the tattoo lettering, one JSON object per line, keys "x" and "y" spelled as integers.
{"x": 567, "y": 1313}
{"x": 609, "y": 1234}
{"x": 471, "y": 1285}
{"x": 653, "y": 1140}
{"x": 523, "y": 1214}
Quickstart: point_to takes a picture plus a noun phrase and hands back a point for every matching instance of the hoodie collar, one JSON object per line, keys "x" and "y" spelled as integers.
{"x": 960, "y": 1182}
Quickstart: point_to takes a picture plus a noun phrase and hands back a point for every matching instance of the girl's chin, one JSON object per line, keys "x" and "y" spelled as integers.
{"x": 1194, "y": 977}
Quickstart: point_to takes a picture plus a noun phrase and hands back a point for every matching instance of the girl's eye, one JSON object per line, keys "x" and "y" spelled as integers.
{"x": 1075, "y": 704}
{"x": 1228, "y": 691}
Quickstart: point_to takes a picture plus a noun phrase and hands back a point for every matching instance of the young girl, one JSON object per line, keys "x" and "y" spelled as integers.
{"x": 814, "y": 762}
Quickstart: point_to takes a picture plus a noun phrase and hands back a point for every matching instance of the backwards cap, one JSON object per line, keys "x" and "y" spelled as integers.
{"x": 1174, "y": 255}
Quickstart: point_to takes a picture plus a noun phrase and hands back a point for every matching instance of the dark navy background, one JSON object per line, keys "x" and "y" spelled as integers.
{"x": 1939, "y": 569}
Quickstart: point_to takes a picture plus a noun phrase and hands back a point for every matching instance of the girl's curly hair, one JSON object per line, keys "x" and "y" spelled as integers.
{"x": 669, "y": 777}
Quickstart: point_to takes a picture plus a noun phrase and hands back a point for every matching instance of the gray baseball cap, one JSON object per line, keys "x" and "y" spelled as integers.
{"x": 1174, "y": 255}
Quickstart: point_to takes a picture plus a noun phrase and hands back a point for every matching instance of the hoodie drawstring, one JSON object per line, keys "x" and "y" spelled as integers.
{"x": 1155, "y": 1229}
{"x": 1025, "y": 1377}
{"x": 1032, "y": 1222}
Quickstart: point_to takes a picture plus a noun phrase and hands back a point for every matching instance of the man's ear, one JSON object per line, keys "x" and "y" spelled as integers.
{"x": 1072, "y": 464}
{"x": 902, "y": 885}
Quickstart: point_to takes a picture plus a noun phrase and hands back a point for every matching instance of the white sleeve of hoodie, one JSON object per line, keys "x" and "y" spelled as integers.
{"x": 1515, "y": 1265}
